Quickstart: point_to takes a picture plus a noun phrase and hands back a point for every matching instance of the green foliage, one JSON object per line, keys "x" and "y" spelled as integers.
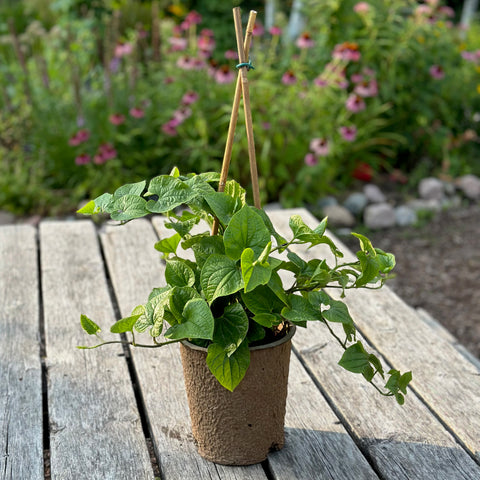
{"x": 232, "y": 295}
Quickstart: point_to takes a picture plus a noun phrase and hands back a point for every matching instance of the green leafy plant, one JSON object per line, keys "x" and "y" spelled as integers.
{"x": 230, "y": 295}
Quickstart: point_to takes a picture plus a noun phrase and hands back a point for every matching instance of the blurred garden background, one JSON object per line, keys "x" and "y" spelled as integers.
{"x": 97, "y": 93}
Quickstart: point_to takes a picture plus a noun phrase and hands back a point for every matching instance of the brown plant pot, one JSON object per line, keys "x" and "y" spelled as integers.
{"x": 239, "y": 427}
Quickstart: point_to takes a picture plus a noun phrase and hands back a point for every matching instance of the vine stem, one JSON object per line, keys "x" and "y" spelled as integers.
{"x": 133, "y": 344}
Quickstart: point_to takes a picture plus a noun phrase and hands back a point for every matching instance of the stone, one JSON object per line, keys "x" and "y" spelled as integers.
{"x": 338, "y": 216}
{"x": 431, "y": 188}
{"x": 419, "y": 204}
{"x": 326, "y": 201}
{"x": 469, "y": 186}
{"x": 405, "y": 216}
{"x": 379, "y": 215}
{"x": 356, "y": 203}
{"x": 374, "y": 194}
{"x": 6, "y": 218}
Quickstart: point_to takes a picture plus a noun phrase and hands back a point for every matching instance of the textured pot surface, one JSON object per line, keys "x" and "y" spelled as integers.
{"x": 239, "y": 427}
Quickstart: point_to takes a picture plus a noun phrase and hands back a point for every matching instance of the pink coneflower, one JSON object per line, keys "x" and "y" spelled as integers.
{"x": 305, "y": 41}
{"x": 169, "y": 128}
{"x": 258, "y": 30}
{"x": 346, "y": 51}
{"x": 206, "y": 43}
{"x": 181, "y": 114}
{"x": 320, "y": 82}
{"x": 178, "y": 43}
{"x": 224, "y": 75}
{"x": 447, "y": 11}
{"x": 423, "y": 10}
{"x": 231, "y": 55}
{"x": 356, "y": 78}
{"x": 122, "y": 49}
{"x": 80, "y": 137}
{"x": 355, "y": 103}
{"x": 105, "y": 152}
{"x": 367, "y": 89}
{"x": 192, "y": 18}
{"x": 82, "y": 159}
{"x": 361, "y": 7}
{"x": 136, "y": 112}
{"x": 275, "y": 31}
{"x": 186, "y": 63}
{"x": 342, "y": 83}
{"x": 310, "y": 159}
{"x": 437, "y": 72}
{"x": 116, "y": 118}
{"x": 289, "y": 78}
{"x": 320, "y": 146}
{"x": 348, "y": 133}
{"x": 189, "y": 98}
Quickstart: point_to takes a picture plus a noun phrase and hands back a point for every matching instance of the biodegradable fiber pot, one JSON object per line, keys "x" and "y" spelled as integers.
{"x": 239, "y": 427}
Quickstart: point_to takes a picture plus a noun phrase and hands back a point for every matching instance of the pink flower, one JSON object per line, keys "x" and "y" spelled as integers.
{"x": 181, "y": 114}
{"x": 82, "y": 159}
{"x": 447, "y": 11}
{"x": 355, "y": 103}
{"x": 356, "y": 78}
{"x": 348, "y": 133}
{"x": 189, "y": 98}
{"x": 186, "y": 63}
{"x": 80, "y": 137}
{"x": 423, "y": 10}
{"x": 275, "y": 31}
{"x": 320, "y": 82}
{"x": 320, "y": 146}
{"x": 289, "y": 78}
{"x": 169, "y": 129}
{"x": 342, "y": 83}
{"x": 207, "y": 32}
{"x": 231, "y": 55}
{"x": 105, "y": 152}
{"x": 122, "y": 49}
{"x": 361, "y": 7}
{"x": 346, "y": 51}
{"x": 310, "y": 159}
{"x": 136, "y": 112}
{"x": 258, "y": 30}
{"x": 305, "y": 41}
{"x": 116, "y": 119}
{"x": 178, "y": 43}
{"x": 437, "y": 72}
{"x": 224, "y": 75}
{"x": 192, "y": 18}
{"x": 206, "y": 43}
{"x": 367, "y": 89}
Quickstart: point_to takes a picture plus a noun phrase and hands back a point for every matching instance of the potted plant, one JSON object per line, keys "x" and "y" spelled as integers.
{"x": 233, "y": 310}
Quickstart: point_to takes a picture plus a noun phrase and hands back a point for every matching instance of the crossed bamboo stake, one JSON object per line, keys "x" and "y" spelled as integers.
{"x": 242, "y": 87}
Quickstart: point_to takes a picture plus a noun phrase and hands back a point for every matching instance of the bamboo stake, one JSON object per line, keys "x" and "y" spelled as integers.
{"x": 246, "y": 107}
{"x": 234, "y": 115}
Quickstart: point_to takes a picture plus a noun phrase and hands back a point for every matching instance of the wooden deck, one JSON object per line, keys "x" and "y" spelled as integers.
{"x": 116, "y": 413}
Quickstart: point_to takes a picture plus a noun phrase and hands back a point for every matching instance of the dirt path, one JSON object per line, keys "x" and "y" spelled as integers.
{"x": 438, "y": 269}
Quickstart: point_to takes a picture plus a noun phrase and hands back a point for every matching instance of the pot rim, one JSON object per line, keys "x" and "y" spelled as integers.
{"x": 291, "y": 331}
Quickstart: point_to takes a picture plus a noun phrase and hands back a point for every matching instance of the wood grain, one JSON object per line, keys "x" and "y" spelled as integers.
{"x": 21, "y": 440}
{"x": 403, "y": 442}
{"x": 95, "y": 428}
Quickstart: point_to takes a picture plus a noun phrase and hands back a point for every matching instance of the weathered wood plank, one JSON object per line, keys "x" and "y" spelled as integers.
{"x": 403, "y": 442}
{"x": 95, "y": 428}
{"x": 313, "y": 441}
{"x": 315, "y": 437}
{"x": 135, "y": 268}
{"x": 21, "y": 432}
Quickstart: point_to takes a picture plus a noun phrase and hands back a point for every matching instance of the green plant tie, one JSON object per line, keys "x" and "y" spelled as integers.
{"x": 246, "y": 64}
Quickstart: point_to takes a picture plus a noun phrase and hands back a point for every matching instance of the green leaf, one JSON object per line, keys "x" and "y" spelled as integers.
{"x": 128, "y": 207}
{"x": 369, "y": 266}
{"x": 268, "y": 223}
{"x": 171, "y": 191}
{"x": 236, "y": 191}
{"x": 179, "y": 274}
{"x": 130, "y": 189}
{"x": 338, "y": 312}
{"x": 261, "y": 300}
{"x": 386, "y": 261}
{"x": 168, "y": 245}
{"x": 245, "y": 230}
{"x": 365, "y": 244}
{"x": 220, "y": 276}
{"x": 179, "y": 298}
{"x": 89, "y": 325}
{"x": 355, "y": 359}
{"x": 300, "y": 310}
{"x": 124, "y": 324}
{"x": 253, "y": 274}
{"x": 88, "y": 209}
{"x": 206, "y": 246}
{"x": 198, "y": 322}
{"x": 222, "y": 205}
{"x": 231, "y": 328}
{"x": 229, "y": 370}
{"x": 267, "y": 319}
{"x": 275, "y": 284}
